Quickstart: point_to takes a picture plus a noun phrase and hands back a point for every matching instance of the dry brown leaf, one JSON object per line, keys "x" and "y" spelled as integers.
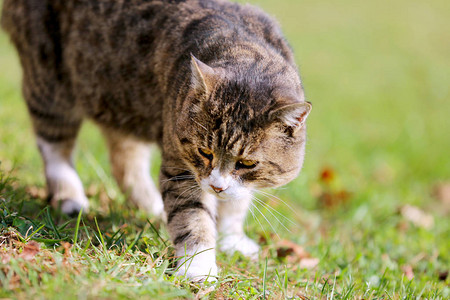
{"x": 333, "y": 199}
{"x": 295, "y": 254}
{"x": 301, "y": 296}
{"x": 327, "y": 191}
{"x": 416, "y": 216}
{"x": 308, "y": 263}
{"x": 286, "y": 248}
{"x": 327, "y": 175}
{"x": 442, "y": 193}
{"x": 443, "y": 275}
{"x": 67, "y": 253}
{"x": 5, "y": 258}
{"x": 30, "y": 250}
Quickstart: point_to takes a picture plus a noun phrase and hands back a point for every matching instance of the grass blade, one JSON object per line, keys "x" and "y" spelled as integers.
{"x": 135, "y": 241}
{"x": 36, "y": 231}
{"x": 77, "y": 227}
{"x": 52, "y": 224}
{"x": 102, "y": 241}
{"x": 264, "y": 280}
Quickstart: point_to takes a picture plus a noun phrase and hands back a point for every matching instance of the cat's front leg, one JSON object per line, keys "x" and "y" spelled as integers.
{"x": 231, "y": 216}
{"x": 191, "y": 225}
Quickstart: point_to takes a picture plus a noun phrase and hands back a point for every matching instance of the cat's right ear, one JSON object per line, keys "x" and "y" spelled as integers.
{"x": 202, "y": 75}
{"x": 292, "y": 115}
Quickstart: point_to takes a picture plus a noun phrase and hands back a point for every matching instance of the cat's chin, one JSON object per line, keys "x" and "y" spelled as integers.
{"x": 224, "y": 198}
{"x": 230, "y": 196}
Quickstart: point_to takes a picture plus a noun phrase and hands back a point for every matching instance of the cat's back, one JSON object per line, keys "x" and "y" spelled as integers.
{"x": 107, "y": 25}
{"x": 122, "y": 58}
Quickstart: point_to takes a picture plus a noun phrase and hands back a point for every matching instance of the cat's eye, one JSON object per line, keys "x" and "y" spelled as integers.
{"x": 245, "y": 164}
{"x": 206, "y": 153}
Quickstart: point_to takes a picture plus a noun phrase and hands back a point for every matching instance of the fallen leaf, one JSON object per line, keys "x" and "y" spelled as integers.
{"x": 67, "y": 246}
{"x": 416, "y": 216}
{"x": 295, "y": 254}
{"x": 301, "y": 296}
{"x": 333, "y": 199}
{"x": 328, "y": 191}
{"x": 408, "y": 271}
{"x": 284, "y": 252}
{"x": 308, "y": 263}
{"x": 287, "y": 248}
{"x": 327, "y": 175}
{"x": 5, "y": 258}
{"x": 443, "y": 275}
{"x": 442, "y": 193}
{"x": 30, "y": 250}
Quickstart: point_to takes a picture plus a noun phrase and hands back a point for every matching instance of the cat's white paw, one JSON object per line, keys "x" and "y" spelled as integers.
{"x": 198, "y": 272}
{"x": 156, "y": 206}
{"x": 145, "y": 195}
{"x": 197, "y": 265}
{"x": 66, "y": 189}
{"x": 73, "y": 207}
{"x": 241, "y": 243}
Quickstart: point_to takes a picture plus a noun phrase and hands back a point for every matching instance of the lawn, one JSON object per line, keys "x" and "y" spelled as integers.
{"x": 368, "y": 218}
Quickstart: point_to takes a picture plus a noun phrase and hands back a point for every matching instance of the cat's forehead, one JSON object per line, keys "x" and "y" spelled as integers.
{"x": 236, "y": 139}
{"x": 243, "y": 99}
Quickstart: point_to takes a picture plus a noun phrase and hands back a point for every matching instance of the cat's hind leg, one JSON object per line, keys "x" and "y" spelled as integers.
{"x": 56, "y": 125}
{"x": 64, "y": 186}
{"x": 130, "y": 164}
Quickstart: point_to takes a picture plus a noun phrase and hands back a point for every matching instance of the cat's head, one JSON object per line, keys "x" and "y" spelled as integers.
{"x": 238, "y": 134}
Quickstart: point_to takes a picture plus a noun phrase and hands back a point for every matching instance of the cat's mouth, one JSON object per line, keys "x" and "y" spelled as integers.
{"x": 230, "y": 194}
{"x": 222, "y": 196}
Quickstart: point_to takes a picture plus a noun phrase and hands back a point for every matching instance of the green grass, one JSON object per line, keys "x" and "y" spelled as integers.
{"x": 378, "y": 75}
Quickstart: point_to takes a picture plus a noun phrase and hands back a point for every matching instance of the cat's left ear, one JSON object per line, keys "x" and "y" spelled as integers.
{"x": 202, "y": 75}
{"x": 292, "y": 115}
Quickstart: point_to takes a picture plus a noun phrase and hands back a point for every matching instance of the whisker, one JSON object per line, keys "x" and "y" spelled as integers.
{"x": 176, "y": 168}
{"x": 266, "y": 219}
{"x": 262, "y": 202}
{"x": 257, "y": 220}
{"x": 178, "y": 178}
{"x": 270, "y": 196}
{"x": 192, "y": 190}
{"x": 269, "y": 210}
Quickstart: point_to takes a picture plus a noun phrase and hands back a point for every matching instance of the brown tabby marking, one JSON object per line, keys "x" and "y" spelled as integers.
{"x": 212, "y": 83}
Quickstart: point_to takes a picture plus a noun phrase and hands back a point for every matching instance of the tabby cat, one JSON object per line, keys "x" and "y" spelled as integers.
{"x": 212, "y": 83}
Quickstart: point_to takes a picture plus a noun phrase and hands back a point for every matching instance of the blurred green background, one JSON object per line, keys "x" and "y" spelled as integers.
{"x": 378, "y": 75}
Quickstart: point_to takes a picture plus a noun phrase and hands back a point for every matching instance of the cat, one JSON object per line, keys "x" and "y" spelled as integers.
{"x": 212, "y": 83}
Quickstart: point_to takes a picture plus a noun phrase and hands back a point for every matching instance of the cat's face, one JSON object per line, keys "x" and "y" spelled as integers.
{"x": 235, "y": 138}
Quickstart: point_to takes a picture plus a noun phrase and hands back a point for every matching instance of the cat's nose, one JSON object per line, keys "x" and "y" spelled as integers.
{"x": 218, "y": 190}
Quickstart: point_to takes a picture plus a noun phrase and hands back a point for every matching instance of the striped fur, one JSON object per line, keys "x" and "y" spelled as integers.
{"x": 212, "y": 83}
